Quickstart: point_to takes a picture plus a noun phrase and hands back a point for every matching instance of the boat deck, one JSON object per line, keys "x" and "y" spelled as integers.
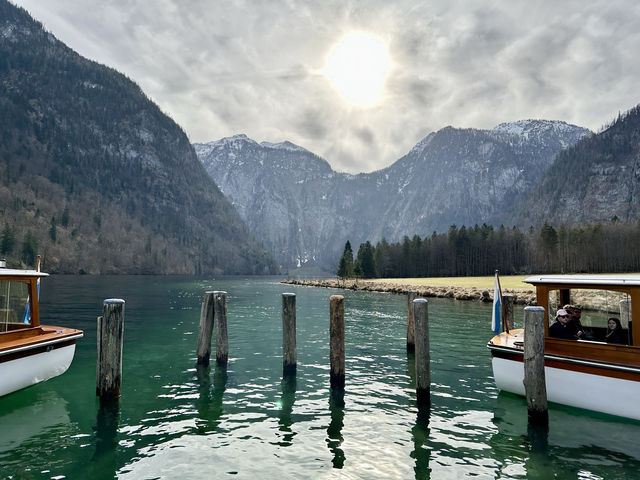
{"x": 34, "y": 337}
{"x": 514, "y": 339}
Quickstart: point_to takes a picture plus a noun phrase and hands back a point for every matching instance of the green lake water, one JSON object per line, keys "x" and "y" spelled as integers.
{"x": 174, "y": 421}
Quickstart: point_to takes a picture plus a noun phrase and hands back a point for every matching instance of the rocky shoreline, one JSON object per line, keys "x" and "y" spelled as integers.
{"x": 521, "y": 296}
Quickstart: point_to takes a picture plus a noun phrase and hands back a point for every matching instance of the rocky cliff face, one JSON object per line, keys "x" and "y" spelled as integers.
{"x": 95, "y": 177}
{"x": 304, "y": 212}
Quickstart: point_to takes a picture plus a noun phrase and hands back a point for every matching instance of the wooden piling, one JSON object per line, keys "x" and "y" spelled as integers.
{"x": 289, "y": 362}
{"x": 220, "y": 323}
{"x": 411, "y": 326}
{"x": 534, "y": 375}
{"x": 206, "y": 330}
{"x": 507, "y": 302}
{"x": 336, "y": 340}
{"x": 109, "y": 339}
{"x": 423, "y": 357}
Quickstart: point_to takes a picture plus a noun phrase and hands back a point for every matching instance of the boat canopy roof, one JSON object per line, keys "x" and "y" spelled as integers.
{"x": 585, "y": 280}
{"x": 10, "y": 272}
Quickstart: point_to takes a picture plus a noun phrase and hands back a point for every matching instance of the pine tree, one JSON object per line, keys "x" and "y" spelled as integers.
{"x": 345, "y": 265}
{"x": 366, "y": 261}
{"x": 8, "y": 240}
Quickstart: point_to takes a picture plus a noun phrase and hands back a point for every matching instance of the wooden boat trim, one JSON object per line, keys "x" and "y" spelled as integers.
{"x": 28, "y": 339}
{"x": 37, "y": 349}
{"x": 518, "y": 355}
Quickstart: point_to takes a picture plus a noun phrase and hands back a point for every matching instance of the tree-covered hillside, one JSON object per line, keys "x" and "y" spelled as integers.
{"x": 95, "y": 177}
{"x": 597, "y": 179}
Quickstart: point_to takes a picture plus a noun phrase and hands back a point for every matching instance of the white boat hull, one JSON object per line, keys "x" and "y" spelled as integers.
{"x": 600, "y": 393}
{"x": 33, "y": 368}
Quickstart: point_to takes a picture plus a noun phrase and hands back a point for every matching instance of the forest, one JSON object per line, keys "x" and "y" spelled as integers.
{"x": 480, "y": 250}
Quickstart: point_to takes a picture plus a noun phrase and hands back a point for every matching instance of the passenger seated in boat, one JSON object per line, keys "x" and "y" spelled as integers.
{"x": 614, "y": 332}
{"x": 574, "y": 325}
{"x": 560, "y": 328}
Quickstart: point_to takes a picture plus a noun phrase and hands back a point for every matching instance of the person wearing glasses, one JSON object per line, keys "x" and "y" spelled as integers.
{"x": 574, "y": 325}
{"x": 560, "y": 328}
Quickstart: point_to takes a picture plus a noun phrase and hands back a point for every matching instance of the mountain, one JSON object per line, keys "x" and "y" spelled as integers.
{"x": 304, "y": 212}
{"x": 597, "y": 179}
{"x": 95, "y": 177}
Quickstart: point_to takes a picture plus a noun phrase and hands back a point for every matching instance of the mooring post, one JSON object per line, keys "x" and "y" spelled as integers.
{"x": 289, "y": 333}
{"x": 336, "y": 340}
{"x": 411, "y": 325}
{"x": 109, "y": 340}
{"x": 508, "y": 301}
{"x": 220, "y": 321}
{"x": 534, "y": 375}
{"x": 206, "y": 330}
{"x": 423, "y": 356}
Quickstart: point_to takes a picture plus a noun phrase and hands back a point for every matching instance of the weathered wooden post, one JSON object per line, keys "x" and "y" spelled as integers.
{"x": 336, "y": 340}
{"x": 220, "y": 321}
{"x": 534, "y": 375}
{"x": 109, "y": 339}
{"x": 508, "y": 301}
{"x": 206, "y": 330}
{"x": 411, "y": 325}
{"x": 289, "y": 333}
{"x": 423, "y": 373}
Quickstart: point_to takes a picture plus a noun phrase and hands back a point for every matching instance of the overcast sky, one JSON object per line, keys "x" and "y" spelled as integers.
{"x": 220, "y": 67}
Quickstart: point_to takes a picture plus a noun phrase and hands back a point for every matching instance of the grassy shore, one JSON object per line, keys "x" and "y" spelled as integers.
{"x": 513, "y": 282}
{"x": 460, "y": 288}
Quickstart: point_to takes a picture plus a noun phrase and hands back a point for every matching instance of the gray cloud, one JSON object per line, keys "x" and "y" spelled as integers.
{"x": 234, "y": 66}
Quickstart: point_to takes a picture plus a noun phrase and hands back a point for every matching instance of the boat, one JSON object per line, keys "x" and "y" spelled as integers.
{"x": 29, "y": 352}
{"x": 586, "y": 372}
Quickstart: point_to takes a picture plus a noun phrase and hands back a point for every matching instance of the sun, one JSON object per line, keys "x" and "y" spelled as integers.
{"x": 357, "y": 66}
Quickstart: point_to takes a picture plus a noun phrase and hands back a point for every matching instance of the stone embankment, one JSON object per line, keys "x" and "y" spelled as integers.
{"x": 521, "y": 296}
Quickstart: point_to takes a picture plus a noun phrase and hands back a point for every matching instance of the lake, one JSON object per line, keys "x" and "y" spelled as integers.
{"x": 245, "y": 422}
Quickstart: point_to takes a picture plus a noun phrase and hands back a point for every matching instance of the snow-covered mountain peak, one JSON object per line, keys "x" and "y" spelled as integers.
{"x": 286, "y": 145}
{"x": 422, "y": 144}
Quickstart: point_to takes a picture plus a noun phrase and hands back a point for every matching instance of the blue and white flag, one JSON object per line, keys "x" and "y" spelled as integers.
{"x": 26, "y": 317}
{"x": 497, "y": 305}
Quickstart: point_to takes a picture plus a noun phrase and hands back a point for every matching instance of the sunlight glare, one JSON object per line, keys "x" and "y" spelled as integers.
{"x": 357, "y": 66}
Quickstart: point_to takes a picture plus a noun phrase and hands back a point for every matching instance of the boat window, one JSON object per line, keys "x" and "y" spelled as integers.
{"x": 597, "y": 311}
{"x": 15, "y": 312}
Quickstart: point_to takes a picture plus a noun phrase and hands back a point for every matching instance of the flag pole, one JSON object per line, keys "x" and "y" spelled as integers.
{"x": 504, "y": 318}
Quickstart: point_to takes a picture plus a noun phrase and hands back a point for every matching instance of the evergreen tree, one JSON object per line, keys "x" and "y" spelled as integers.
{"x": 29, "y": 248}
{"x": 365, "y": 260}
{"x": 345, "y": 265}
{"x": 64, "y": 220}
{"x": 8, "y": 240}
{"x": 357, "y": 269}
{"x": 53, "y": 230}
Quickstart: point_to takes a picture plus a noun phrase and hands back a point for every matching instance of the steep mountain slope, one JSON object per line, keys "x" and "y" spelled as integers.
{"x": 95, "y": 176}
{"x": 452, "y": 176}
{"x": 595, "y": 180}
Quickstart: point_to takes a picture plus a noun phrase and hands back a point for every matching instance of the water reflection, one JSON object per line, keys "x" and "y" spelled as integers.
{"x": 19, "y": 424}
{"x": 287, "y": 399}
{"x": 588, "y": 445}
{"x": 209, "y": 403}
{"x": 104, "y": 461}
{"x": 421, "y": 453}
{"x": 334, "y": 432}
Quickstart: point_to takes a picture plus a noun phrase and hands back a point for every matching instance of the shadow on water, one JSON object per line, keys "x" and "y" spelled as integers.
{"x": 420, "y": 433}
{"x": 104, "y": 460}
{"x": 334, "y": 432}
{"x": 209, "y": 403}
{"x": 289, "y": 385}
{"x": 582, "y": 442}
{"x": 538, "y": 465}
